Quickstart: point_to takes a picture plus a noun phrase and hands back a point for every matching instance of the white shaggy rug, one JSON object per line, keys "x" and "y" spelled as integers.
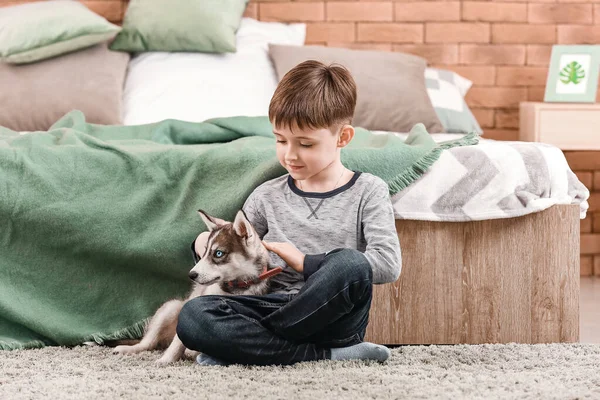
{"x": 554, "y": 371}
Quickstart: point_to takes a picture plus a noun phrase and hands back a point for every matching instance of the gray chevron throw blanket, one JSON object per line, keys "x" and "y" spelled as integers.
{"x": 495, "y": 179}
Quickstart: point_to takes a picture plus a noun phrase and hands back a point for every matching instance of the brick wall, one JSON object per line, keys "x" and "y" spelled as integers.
{"x": 503, "y": 46}
{"x": 587, "y": 167}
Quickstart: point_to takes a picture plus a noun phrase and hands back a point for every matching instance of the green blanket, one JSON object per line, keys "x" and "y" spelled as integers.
{"x": 96, "y": 221}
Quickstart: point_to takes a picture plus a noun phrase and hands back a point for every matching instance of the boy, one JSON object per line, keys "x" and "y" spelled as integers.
{"x": 332, "y": 228}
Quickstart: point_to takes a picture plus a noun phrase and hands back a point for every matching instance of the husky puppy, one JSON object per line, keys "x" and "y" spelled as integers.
{"x": 230, "y": 259}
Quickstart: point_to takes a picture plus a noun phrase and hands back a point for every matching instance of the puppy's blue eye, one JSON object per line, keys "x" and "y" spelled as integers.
{"x": 219, "y": 253}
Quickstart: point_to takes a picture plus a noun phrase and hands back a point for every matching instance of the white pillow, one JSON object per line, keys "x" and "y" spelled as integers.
{"x": 446, "y": 90}
{"x": 462, "y": 84}
{"x": 198, "y": 86}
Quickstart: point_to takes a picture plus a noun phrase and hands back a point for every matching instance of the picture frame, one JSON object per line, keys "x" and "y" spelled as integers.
{"x": 573, "y": 74}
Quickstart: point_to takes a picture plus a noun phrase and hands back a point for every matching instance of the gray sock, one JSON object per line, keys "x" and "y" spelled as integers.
{"x": 204, "y": 359}
{"x": 361, "y": 351}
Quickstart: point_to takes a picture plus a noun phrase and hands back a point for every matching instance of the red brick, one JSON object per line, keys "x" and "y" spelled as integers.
{"x": 290, "y": 12}
{"x": 596, "y": 13}
{"x": 523, "y": 33}
{"x": 494, "y": 12}
{"x": 538, "y": 54}
{"x": 594, "y": 202}
{"x": 484, "y": 117}
{"x": 489, "y": 54}
{"x": 420, "y": 11}
{"x": 586, "y": 266}
{"x": 585, "y": 225}
{"x": 330, "y": 32}
{"x": 457, "y": 32}
{"x": 590, "y": 243}
{"x": 578, "y": 34}
{"x": 111, "y": 10}
{"x": 596, "y": 184}
{"x": 359, "y": 11}
{"x": 595, "y": 222}
{"x": 507, "y": 118}
{"x": 583, "y": 160}
{"x": 597, "y": 265}
{"x": 390, "y": 32}
{"x": 536, "y": 93}
{"x": 526, "y": 1}
{"x": 433, "y": 53}
{"x": 560, "y": 13}
{"x": 363, "y": 46}
{"x": 479, "y": 75}
{"x": 493, "y": 97}
{"x": 521, "y": 76}
{"x": 501, "y": 134}
{"x": 586, "y": 177}
{"x": 251, "y": 11}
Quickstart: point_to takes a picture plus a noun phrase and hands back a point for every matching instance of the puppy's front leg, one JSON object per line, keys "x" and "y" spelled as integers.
{"x": 173, "y": 353}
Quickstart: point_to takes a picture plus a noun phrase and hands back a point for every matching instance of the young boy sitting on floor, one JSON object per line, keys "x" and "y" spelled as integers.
{"x": 332, "y": 228}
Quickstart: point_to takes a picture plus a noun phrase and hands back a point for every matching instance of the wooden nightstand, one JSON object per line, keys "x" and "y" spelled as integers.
{"x": 568, "y": 126}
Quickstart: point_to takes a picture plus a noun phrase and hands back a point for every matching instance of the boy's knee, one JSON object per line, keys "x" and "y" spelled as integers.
{"x": 193, "y": 319}
{"x": 350, "y": 263}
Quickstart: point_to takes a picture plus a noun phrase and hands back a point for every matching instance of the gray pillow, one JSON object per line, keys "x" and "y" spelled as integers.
{"x": 390, "y": 86}
{"x": 34, "y": 96}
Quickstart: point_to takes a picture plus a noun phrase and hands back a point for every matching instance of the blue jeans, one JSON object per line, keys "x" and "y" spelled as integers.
{"x": 331, "y": 310}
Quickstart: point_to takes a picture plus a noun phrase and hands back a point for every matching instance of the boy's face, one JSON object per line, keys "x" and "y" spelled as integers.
{"x": 305, "y": 153}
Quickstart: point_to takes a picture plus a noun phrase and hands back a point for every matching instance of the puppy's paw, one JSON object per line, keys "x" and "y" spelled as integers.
{"x": 163, "y": 361}
{"x": 191, "y": 354}
{"x": 126, "y": 350}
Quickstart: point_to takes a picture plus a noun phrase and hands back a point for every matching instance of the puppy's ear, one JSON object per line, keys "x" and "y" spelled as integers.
{"x": 212, "y": 223}
{"x": 242, "y": 226}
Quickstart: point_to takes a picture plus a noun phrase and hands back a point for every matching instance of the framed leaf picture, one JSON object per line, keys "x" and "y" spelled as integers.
{"x": 573, "y": 74}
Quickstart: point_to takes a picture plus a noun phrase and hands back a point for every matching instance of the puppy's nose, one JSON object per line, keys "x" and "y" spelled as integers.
{"x": 193, "y": 275}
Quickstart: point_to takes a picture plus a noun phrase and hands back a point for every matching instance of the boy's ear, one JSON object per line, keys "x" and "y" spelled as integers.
{"x": 345, "y": 136}
{"x": 211, "y": 223}
{"x": 242, "y": 226}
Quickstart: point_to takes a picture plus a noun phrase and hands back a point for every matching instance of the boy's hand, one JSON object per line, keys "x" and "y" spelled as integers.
{"x": 288, "y": 253}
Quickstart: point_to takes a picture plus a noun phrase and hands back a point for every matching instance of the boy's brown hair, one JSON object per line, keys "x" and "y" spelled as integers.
{"x": 313, "y": 95}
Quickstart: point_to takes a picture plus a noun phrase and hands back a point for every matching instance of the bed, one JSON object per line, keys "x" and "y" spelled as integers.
{"x": 505, "y": 264}
{"x": 489, "y": 235}
{"x": 507, "y": 269}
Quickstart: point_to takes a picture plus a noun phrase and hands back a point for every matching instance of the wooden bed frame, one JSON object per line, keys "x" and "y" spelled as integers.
{"x": 494, "y": 281}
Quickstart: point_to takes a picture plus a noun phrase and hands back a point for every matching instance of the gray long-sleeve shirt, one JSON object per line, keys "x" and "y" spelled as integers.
{"x": 357, "y": 215}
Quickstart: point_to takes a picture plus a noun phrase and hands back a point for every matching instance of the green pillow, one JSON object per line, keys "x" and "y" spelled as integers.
{"x": 207, "y": 26}
{"x": 36, "y": 31}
